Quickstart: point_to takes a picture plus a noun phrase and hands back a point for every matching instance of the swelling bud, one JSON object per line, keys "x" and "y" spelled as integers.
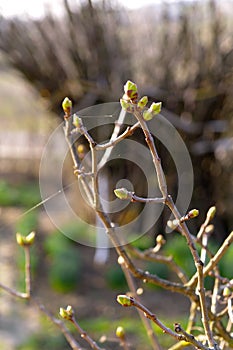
{"x": 131, "y": 90}
{"x": 122, "y": 193}
{"x": 67, "y": 105}
{"x": 25, "y": 240}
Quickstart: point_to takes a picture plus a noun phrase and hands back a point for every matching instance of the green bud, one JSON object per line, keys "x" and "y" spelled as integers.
{"x": 30, "y": 238}
{"x": 25, "y": 241}
{"x": 124, "y": 300}
{"x": 193, "y": 213}
{"x": 147, "y": 115}
{"x": 120, "y": 332}
{"x": 127, "y": 106}
{"x": 77, "y": 121}
{"x": 67, "y": 313}
{"x": 131, "y": 90}
{"x": 143, "y": 102}
{"x": 67, "y": 105}
{"x": 122, "y": 193}
{"x": 211, "y": 213}
{"x": 155, "y": 108}
{"x": 226, "y": 292}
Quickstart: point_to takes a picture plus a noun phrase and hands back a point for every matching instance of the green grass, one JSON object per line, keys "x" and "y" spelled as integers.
{"x": 22, "y": 195}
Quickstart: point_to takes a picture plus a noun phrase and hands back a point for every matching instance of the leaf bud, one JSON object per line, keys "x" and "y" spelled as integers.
{"x": 67, "y": 105}
{"x": 127, "y": 106}
{"x": 77, "y": 121}
{"x": 147, "y": 115}
{"x": 131, "y": 90}
{"x": 120, "y": 332}
{"x": 25, "y": 240}
{"x": 172, "y": 224}
{"x": 226, "y": 292}
{"x": 160, "y": 240}
{"x": 193, "y": 213}
{"x": 142, "y": 102}
{"x": 124, "y": 300}
{"x": 155, "y": 108}
{"x": 122, "y": 193}
{"x": 67, "y": 313}
{"x": 211, "y": 213}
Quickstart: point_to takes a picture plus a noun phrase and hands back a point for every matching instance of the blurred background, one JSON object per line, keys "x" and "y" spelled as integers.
{"x": 178, "y": 52}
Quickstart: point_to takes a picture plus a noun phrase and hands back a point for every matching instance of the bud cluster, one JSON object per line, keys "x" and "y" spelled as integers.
{"x": 129, "y": 102}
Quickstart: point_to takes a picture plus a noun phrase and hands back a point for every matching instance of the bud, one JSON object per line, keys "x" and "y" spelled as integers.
{"x": 160, "y": 240}
{"x": 143, "y": 102}
{"x": 25, "y": 241}
{"x": 147, "y": 115}
{"x": 209, "y": 229}
{"x": 226, "y": 292}
{"x": 67, "y": 105}
{"x": 120, "y": 260}
{"x": 67, "y": 313}
{"x": 155, "y": 108}
{"x": 140, "y": 291}
{"x": 211, "y": 213}
{"x": 193, "y": 213}
{"x": 172, "y": 224}
{"x": 131, "y": 90}
{"x": 127, "y": 106}
{"x": 77, "y": 121}
{"x": 122, "y": 193}
{"x": 120, "y": 332}
{"x": 124, "y": 300}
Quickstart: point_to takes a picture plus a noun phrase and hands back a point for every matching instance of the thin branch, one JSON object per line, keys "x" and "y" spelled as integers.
{"x": 85, "y": 336}
{"x": 156, "y": 160}
{"x": 150, "y": 333}
{"x": 184, "y": 230}
{"x": 27, "y": 271}
{"x": 192, "y": 317}
{"x": 204, "y": 311}
{"x": 151, "y": 256}
{"x": 214, "y": 261}
{"x": 128, "y": 132}
{"x": 14, "y": 292}
{"x": 130, "y": 301}
{"x": 69, "y": 337}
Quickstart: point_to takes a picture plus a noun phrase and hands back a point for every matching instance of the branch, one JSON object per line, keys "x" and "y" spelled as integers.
{"x": 69, "y": 337}
{"x": 214, "y": 261}
{"x": 68, "y": 314}
{"x": 126, "y": 301}
{"x": 154, "y": 341}
{"x": 151, "y": 256}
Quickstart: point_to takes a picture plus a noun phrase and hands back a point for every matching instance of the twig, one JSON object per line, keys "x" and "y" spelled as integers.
{"x": 128, "y": 132}
{"x": 214, "y": 261}
{"x": 155, "y": 157}
{"x": 151, "y": 335}
{"x": 27, "y": 271}
{"x": 84, "y": 335}
{"x": 14, "y": 292}
{"x": 192, "y": 317}
{"x": 204, "y": 311}
{"x": 130, "y": 301}
{"x": 169, "y": 202}
{"x": 69, "y": 337}
{"x": 151, "y": 256}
